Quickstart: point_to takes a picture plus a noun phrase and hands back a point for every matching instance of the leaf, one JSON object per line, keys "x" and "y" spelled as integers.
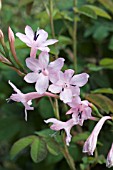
{"x": 80, "y": 136}
{"x": 100, "y": 12}
{"x": 107, "y": 63}
{"x": 20, "y": 145}
{"x": 25, "y": 2}
{"x": 45, "y": 133}
{"x": 103, "y": 90}
{"x": 87, "y": 11}
{"x": 108, "y": 4}
{"x": 53, "y": 148}
{"x": 101, "y": 33}
{"x": 101, "y": 101}
{"x": 94, "y": 67}
{"x": 38, "y": 150}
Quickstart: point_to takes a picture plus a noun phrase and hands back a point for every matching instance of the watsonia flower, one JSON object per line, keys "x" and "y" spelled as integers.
{"x": 80, "y": 110}
{"x": 59, "y": 125}
{"x": 36, "y": 40}
{"x": 68, "y": 85}
{"x": 90, "y": 144}
{"x": 109, "y": 162}
{"x": 43, "y": 71}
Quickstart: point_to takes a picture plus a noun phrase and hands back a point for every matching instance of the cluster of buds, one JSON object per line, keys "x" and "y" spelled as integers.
{"x": 51, "y": 81}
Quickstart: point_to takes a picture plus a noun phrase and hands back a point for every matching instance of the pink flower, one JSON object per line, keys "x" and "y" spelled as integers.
{"x": 68, "y": 85}
{"x": 109, "y": 162}
{"x": 59, "y": 125}
{"x": 36, "y": 40}
{"x": 90, "y": 144}
{"x": 80, "y": 110}
{"x": 43, "y": 71}
{"x": 25, "y": 99}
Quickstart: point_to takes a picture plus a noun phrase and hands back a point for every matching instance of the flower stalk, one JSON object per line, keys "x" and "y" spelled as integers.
{"x": 75, "y": 37}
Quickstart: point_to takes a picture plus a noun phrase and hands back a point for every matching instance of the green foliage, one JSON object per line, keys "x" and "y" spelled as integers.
{"x": 38, "y": 150}
{"x": 94, "y": 55}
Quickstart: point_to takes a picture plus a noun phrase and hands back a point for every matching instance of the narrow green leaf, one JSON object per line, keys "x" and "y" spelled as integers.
{"x": 101, "y": 101}
{"x": 103, "y": 90}
{"x": 20, "y": 145}
{"x": 38, "y": 150}
{"x": 108, "y": 4}
{"x": 107, "y": 63}
{"x": 100, "y": 12}
{"x": 87, "y": 11}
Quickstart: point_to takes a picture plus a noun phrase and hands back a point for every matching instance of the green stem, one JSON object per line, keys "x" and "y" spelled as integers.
{"x": 57, "y": 115}
{"x": 52, "y": 23}
{"x": 75, "y": 38}
{"x": 67, "y": 155}
{"x": 51, "y": 18}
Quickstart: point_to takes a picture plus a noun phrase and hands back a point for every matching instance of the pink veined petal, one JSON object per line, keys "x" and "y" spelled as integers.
{"x": 85, "y": 102}
{"x": 75, "y": 90}
{"x": 24, "y": 38}
{"x": 56, "y": 65}
{"x": 41, "y": 48}
{"x": 43, "y": 59}
{"x": 14, "y": 87}
{"x": 109, "y": 161}
{"x": 68, "y": 74}
{"x": 33, "y": 64}
{"x": 75, "y": 101}
{"x": 17, "y": 97}
{"x": 42, "y": 84}
{"x": 31, "y": 77}
{"x": 80, "y": 79}
{"x": 66, "y": 95}
{"x": 29, "y": 32}
{"x": 50, "y": 42}
{"x": 69, "y": 112}
{"x": 55, "y": 89}
{"x": 53, "y": 77}
{"x": 42, "y": 36}
{"x": 86, "y": 113}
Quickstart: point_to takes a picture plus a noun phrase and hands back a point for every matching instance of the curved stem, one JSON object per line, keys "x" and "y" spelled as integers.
{"x": 67, "y": 155}
{"x": 75, "y": 38}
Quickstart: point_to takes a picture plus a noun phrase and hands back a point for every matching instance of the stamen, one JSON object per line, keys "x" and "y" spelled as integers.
{"x": 39, "y": 71}
{"x": 80, "y": 115}
{"x": 35, "y": 35}
{"x": 10, "y": 101}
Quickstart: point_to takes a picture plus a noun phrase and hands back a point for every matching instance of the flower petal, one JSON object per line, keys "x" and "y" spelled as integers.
{"x": 80, "y": 79}
{"x": 42, "y": 36}
{"x": 31, "y": 77}
{"x": 14, "y": 87}
{"x": 50, "y": 42}
{"x": 56, "y": 65}
{"x": 68, "y": 74}
{"x": 43, "y": 59}
{"x": 54, "y": 88}
{"x": 33, "y": 64}
{"x": 66, "y": 95}
{"x": 75, "y": 101}
{"x": 75, "y": 90}
{"x": 23, "y": 38}
{"x": 46, "y": 49}
{"x": 29, "y": 32}
{"x": 42, "y": 84}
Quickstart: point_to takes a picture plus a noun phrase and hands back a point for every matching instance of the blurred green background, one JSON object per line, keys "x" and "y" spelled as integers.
{"x": 94, "y": 55}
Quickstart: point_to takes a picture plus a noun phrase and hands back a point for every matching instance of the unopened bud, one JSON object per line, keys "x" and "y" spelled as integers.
{"x": 11, "y": 35}
{"x": 1, "y": 37}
